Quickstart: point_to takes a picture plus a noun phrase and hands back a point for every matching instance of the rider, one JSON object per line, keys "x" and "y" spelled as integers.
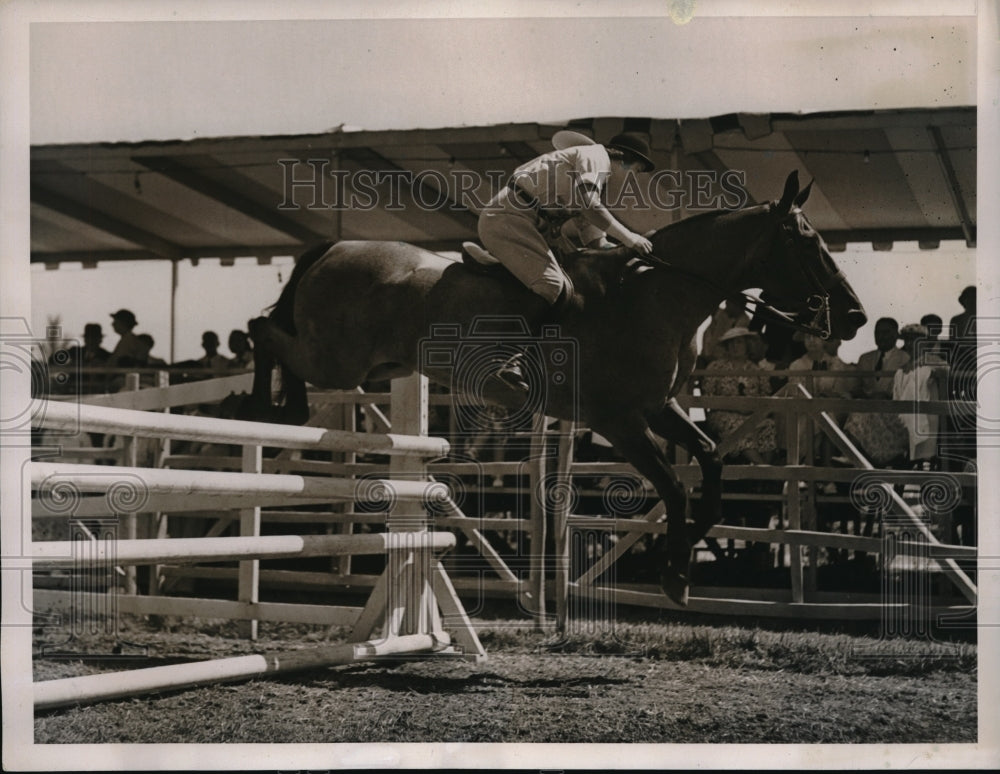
{"x": 519, "y": 223}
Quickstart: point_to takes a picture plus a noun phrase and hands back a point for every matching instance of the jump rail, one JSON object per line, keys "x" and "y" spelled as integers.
{"x": 62, "y": 554}
{"x": 51, "y": 694}
{"x": 74, "y": 417}
{"x": 48, "y": 477}
{"x": 411, "y": 599}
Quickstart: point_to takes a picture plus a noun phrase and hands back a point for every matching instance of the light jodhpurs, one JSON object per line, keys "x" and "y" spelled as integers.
{"x": 509, "y": 230}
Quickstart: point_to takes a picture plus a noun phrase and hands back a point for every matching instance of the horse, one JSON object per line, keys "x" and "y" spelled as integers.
{"x": 362, "y": 310}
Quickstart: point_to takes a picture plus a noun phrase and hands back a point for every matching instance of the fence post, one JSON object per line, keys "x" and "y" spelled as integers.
{"x": 536, "y": 504}
{"x": 131, "y": 459}
{"x": 158, "y": 520}
{"x": 410, "y": 415}
{"x": 249, "y": 572}
{"x": 793, "y": 502}
{"x": 562, "y": 504}
{"x": 346, "y": 420}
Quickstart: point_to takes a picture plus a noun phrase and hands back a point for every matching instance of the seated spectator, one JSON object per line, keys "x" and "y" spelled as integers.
{"x": 923, "y": 378}
{"x": 729, "y": 315}
{"x": 759, "y": 446}
{"x": 848, "y": 385}
{"x": 242, "y": 349}
{"x": 881, "y": 437}
{"x": 212, "y": 359}
{"x": 818, "y": 359}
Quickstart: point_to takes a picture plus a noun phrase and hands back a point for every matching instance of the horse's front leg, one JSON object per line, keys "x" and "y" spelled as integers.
{"x": 632, "y": 437}
{"x": 673, "y": 424}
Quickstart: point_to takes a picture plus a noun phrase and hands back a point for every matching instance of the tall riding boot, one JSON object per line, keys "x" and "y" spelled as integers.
{"x": 512, "y": 371}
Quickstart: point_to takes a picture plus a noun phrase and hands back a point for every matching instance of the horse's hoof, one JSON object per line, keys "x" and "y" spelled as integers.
{"x": 675, "y": 586}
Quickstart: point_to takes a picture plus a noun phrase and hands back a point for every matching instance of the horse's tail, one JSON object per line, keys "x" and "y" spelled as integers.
{"x": 281, "y": 311}
{"x": 281, "y": 315}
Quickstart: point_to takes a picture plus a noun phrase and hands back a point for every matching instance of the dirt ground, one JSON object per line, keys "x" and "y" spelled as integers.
{"x": 675, "y": 683}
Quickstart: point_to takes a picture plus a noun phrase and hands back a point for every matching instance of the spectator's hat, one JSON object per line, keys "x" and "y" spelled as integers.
{"x": 632, "y": 143}
{"x": 93, "y": 329}
{"x": 125, "y": 316}
{"x": 735, "y": 333}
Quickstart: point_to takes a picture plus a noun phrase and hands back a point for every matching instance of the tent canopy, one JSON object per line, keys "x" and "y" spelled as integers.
{"x": 880, "y": 177}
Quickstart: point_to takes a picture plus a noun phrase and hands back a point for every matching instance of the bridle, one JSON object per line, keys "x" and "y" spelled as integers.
{"x": 817, "y": 303}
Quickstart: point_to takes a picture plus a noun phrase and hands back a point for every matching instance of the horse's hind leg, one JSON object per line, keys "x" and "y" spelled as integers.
{"x": 632, "y": 438}
{"x": 275, "y": 346}
{"x": 673, "y": 424}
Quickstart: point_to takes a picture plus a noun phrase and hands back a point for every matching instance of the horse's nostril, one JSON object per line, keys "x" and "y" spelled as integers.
{"x": 857, "y": 317}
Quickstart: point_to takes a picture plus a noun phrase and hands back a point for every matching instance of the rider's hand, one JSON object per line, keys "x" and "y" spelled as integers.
{"x": 640, "y": 244}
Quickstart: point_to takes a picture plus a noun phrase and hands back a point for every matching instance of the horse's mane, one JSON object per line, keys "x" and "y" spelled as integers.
{"x": 708, "y": 218}
{"x": 600, "y": 270}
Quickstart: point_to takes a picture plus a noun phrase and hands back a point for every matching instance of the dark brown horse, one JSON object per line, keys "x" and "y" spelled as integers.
{"x": 356, "y": 311}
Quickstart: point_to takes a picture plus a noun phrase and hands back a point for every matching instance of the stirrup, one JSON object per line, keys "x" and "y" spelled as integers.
{"x": 479, "y": 254}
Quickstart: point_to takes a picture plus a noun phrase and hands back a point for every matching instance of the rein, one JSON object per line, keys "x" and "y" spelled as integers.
{"x": 818, "y": 303}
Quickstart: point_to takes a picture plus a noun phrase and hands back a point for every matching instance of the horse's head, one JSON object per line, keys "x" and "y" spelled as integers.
{"x": 800, "y": 278}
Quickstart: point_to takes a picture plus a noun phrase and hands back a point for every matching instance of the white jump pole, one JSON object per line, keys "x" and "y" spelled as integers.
{"x": 51, "y": 694}
{"x": 140, "y": 481}
{"x": 127, "y": 422}
{"x": 70, "y": 553}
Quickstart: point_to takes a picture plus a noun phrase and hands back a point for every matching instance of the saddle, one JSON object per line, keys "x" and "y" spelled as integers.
{"x": 480, "y": 261}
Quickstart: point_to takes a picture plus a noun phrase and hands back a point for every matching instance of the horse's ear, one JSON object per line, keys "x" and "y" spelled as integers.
{"x": 804, "y": 194}
{"x": 784, "y": 206}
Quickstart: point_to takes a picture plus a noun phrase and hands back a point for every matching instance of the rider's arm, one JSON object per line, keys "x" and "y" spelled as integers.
{"x": 595, "y": 213}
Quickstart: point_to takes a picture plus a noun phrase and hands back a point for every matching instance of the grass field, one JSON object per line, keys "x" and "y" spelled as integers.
{"x": 670, "y": 681}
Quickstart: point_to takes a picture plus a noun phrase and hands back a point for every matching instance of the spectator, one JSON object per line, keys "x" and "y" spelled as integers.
{"x": 730, "y": 315}
{"x": 848, "y": 386}
{"x": 885, "y": 357}
{"x": 782, "y": 344}
{"x": 923, "y": 378}
{"x": 128, "y": 350}
{"x": 242, "y": 349}
{"x": 882, "y": 437}
{"x": 964, "y": 324}
{"x": 147, "y": 360}
{"x": 759, "y": 446}
{"x": 818, "y": 358}
{"x": 90, "y": 356}
{"x": 962, "y": 348}
{"x": 962, "y": 357}
{"x": 934, "y": 326}
{"x": 212, "y": 359}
